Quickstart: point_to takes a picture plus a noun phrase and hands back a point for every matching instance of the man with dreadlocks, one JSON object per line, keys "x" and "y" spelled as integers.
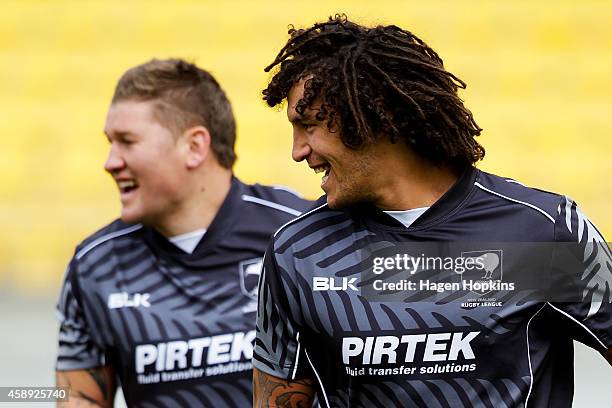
{"x": 375, "y": 111}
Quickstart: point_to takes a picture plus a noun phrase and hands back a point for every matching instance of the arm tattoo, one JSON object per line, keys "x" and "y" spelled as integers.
{"x": 92, "y": 402}
{"x": 98, "y": 377}
{"x": 270, "y": 391}
{"x": 80, "y": 396}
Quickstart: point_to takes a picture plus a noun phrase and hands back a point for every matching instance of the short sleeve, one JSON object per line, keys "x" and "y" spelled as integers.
{"x": 590, "y": 317}
{"x": 277, "y": 350}
{"x": 76, "y": 350}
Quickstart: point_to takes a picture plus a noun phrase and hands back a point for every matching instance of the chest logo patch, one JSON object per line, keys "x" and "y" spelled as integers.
{"x": 487, "y": 273}
{"x": 249, "y": 271}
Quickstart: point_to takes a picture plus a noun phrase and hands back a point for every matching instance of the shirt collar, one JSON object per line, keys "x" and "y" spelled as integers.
{"x": 220, "y": 226}
{"x": 438, "y": 212}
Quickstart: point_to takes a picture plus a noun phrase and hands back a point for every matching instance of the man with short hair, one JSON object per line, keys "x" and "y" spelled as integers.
{"x": 376, "y": 113}
{"x": 163, "y": 299}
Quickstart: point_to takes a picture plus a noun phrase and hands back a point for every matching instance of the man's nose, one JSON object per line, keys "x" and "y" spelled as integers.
{"x": 114, "y": 161}
{"x": 301, "y": 149}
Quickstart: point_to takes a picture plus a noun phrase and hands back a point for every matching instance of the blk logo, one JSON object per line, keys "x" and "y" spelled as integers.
{"x": 124, "y": 299}
{"x": 321, "y": 283}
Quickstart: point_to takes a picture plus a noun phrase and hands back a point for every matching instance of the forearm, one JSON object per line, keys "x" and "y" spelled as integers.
{"x": 274, "y": 392}
{"x": 80, "y": 402}
{"x": 89, "y": 388}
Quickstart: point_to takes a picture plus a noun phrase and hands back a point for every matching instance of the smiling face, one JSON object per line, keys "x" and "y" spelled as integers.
{"x": 348, "y": 176}
{"x": 146, "y": 161}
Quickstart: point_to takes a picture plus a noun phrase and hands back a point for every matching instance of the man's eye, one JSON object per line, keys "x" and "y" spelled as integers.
{"x": 308, "y": 126}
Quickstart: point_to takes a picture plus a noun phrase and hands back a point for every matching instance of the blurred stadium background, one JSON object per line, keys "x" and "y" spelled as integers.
{"x": 539, "y": 83}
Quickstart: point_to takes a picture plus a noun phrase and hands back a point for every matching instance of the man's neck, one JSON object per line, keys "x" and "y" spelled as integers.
{"x": 201, "y": 206}
{"x": 415, "y": 182}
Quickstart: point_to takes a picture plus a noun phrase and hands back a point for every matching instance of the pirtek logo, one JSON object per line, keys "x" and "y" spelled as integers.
{"x": 124, "y": 299}
{"x": 372, "y": 349}
{"x": 222, "y": 348}
{"x": 320, "y": 283}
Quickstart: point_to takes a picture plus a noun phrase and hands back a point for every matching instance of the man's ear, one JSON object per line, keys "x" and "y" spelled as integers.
{"x": 198, "y": 145}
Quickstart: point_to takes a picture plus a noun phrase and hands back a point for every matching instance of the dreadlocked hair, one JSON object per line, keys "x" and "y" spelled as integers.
{"x": 377, "y": 81}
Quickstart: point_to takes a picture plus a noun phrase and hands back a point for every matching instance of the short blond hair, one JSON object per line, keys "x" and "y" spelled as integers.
{"x": 186, "y": 96}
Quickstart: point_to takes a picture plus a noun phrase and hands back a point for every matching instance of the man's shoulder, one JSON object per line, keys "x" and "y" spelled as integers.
{"x": 276, "y": 199}
{"x": 315, "y": 224}
{"x": 114, "y": 230}
{"x": 514, "y": 192}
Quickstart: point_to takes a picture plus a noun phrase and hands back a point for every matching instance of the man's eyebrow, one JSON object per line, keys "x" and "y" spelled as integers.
{"x": 297, "y": 118}
{"x": 119, "y": 134}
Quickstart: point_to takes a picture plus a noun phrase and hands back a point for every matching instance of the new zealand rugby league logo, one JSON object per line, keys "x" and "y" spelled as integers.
{"x": 488, "y": 272}
{"x": 249, "y": 271}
